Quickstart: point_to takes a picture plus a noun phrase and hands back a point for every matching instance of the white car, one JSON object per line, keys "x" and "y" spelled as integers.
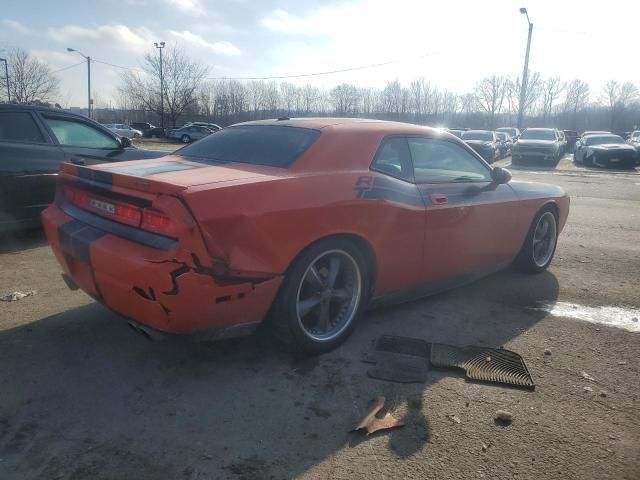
{"x": 124, "y": 130}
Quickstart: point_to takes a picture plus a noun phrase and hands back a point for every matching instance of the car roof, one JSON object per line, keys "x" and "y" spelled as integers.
{"x": 541, "y": 129}
{"x": 350, "y": 124}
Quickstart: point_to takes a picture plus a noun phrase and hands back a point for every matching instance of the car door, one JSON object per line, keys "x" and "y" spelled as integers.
{"x": 469, "y": 219}
{"x": 84, "y": 142}
{"x": 29, "y": 163}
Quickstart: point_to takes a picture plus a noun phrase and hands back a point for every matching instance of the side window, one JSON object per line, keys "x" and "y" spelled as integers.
{"x": 19, "y": 127}
{"x": 440, "y": 161}
{"x": 78, "y": 134}
{"x": 393, "y": 158}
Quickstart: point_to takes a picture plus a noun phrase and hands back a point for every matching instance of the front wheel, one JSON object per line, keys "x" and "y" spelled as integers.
{"x": 322, "y": 296}
{"x": 540, "y": 245}
{"x": 185, "y": 139}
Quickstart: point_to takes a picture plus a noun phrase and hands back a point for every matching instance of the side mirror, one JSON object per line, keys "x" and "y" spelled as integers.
{"x": 125, "y": 142}
{"x": 500, "y": 175}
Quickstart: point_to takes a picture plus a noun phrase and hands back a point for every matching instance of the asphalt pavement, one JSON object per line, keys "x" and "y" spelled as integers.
{"x": 82, "y": 396}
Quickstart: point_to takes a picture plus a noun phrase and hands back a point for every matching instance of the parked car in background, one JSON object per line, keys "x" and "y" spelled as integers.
{"x": 606, "y": 150}
{"x": 485, "y": 142}
{"x": 563, "y": 142}
{"x": 541, "y": 145}
{"x": 456, "y": 132}
{"x": 595, "y": 132}
{"x": 189, "y": 133}
{"x": 572, "y": 137}
{"x": 34, "y": 141}
{"x": 506, "y": 144}
{"x": 634, "y": 138}
{"x": 155, "y": 132}
{"x": 124, "y": 130}
{"x": 211, "y": 126}
{"x": 142, "y": 126}
{"x": 513, "y": 131}
{"x": 217, "y": 237}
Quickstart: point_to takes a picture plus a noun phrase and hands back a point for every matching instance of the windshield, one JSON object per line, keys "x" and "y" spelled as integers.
{"x": 602, "y": 139}
{"x": 486, "y": 136}
{"x": 510, "y": 131}
{"x": 256, "y": 144}
{"x": 538, "y": 135}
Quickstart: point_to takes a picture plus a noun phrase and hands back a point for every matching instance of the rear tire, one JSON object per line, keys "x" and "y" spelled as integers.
{"x": 540, "y": 245}
{"x": 185, "y": 139}
{"x": 323, "y": 295}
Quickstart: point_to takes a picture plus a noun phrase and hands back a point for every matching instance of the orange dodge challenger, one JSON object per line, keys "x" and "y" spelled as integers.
{"x": 299, "y": 221}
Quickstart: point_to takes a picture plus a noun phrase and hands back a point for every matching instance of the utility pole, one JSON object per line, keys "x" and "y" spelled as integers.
{"x": 6, "y": 76}
{"x": 525, "y": 72}
{"x": 88, "y": 59}
{"x": 160, "y": 46}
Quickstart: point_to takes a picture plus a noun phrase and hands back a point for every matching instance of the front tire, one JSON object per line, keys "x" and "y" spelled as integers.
{"x": 322, "y": 296}
{"x": 540, "y": 245}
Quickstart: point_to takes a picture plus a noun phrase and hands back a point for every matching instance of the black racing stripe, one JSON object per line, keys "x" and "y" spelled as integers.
{"x": 393, "y": 196}
{"x": 75, "y": 239}
{"x": 103, "y": 177}
{"x": 95, "y": 178}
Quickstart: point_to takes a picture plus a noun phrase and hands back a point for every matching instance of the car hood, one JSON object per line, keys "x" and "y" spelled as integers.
{"x": 530, "y": 190}
{"x": 535, "y": 143}
{"x": 611, "y": 146}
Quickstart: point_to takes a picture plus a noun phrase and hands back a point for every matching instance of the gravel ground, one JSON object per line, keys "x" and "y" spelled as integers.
{"x": 84, "y": 397}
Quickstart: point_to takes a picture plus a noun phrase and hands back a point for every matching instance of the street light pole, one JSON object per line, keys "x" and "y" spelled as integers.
{"x": 6, "y": 76}
{"x": 160, "y": 46}
{"x": 525, "y": 72}
{"x": 88, "y": 59}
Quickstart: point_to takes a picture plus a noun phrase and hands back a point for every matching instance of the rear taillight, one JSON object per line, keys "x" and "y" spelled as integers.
{"x": 145, "y": 218}
{"x": 156, "y": 221}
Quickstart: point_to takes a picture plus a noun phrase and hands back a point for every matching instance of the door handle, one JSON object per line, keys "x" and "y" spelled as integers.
{"x": 439, "y": 199}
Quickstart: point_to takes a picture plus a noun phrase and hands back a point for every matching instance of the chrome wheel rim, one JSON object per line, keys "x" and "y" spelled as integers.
{"x": 328, "y": 295}
{"x": 544, "y": 239}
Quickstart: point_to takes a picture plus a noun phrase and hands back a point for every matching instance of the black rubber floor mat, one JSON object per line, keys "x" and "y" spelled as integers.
{"x": 403, "y": 345}
{"x": 394, "y": 367}
{"x": 484, "y": 364}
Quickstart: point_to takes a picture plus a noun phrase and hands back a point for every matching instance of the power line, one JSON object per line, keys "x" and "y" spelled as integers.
{"x": 118, "y": 66}
{"x": 67, "y": 68}
{"x": 282, "y": 77}
{"x": 317, "y": 74}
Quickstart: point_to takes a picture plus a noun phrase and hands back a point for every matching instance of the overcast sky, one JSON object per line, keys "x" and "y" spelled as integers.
{"x": 452, "y": 43}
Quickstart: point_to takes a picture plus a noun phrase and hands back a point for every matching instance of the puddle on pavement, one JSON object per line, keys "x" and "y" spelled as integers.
{"x": 621, "y": 317}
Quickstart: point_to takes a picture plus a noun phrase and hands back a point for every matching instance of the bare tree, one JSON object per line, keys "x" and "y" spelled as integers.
{"x": 490, "y": 93}
{"x": 617, "y": 97}
{"x": 30, "y": 80}
{"x": 551, "y": 88}
{"x": 181, "y": 76}
{"x": 345, "y": 99}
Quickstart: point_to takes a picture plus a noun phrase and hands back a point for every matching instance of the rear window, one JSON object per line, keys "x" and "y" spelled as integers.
{"x": 269, "y": 145}
{"x": 19, "y": 127}
{"x": 538, "y": 135}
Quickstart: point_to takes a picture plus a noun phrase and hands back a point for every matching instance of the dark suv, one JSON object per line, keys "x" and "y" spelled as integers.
{"x": 33, "y": 143}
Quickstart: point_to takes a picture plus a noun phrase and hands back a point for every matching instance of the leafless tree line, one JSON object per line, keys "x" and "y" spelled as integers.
{"x": 30, "y": 80}
{"x": 188, "y": 95}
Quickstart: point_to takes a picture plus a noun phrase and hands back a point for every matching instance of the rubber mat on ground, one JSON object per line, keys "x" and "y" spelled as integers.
{"x": 399, "y": 359}
{"x": 484, "y": 364}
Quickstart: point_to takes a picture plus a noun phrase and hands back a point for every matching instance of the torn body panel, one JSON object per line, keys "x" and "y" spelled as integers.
{"x": 171, "y": 291}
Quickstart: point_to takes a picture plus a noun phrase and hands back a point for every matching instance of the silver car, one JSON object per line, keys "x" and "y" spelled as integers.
{"x": 189, "y": 133}
{"x": 124, "y": 130}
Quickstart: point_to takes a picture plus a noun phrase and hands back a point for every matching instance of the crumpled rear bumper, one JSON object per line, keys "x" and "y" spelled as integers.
{"x": 170, "y": 291}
